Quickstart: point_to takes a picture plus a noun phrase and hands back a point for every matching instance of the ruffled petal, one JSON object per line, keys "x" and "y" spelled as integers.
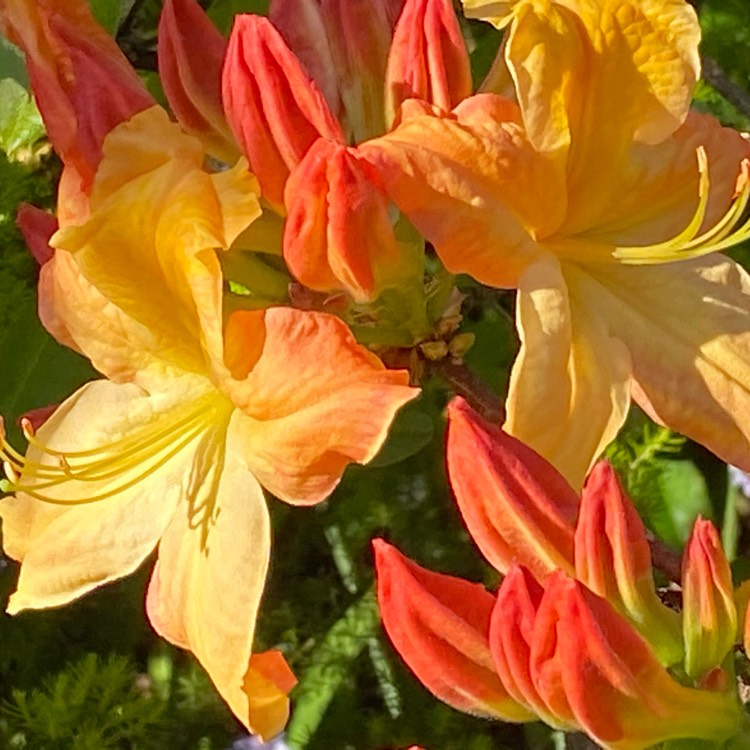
{"x": 163, "y": 272}
{"x": 313, "y": 399}
{"x": 569, "y": 387}
{"x": 474, "y": 186}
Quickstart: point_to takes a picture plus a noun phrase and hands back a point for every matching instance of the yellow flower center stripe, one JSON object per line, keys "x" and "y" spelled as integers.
{"x": 138, "y": 455}
{"x": 689, "y": 244}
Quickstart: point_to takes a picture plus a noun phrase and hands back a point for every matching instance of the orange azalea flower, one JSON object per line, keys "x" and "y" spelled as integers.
{"x": 604, "y": 216}
{"x": 296, "y": 130}
{"x": 173, "y": 448}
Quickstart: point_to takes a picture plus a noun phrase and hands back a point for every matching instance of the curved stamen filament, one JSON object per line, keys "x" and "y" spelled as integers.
{"x": 131, "y": 458}
{"x": 688, "y": 243}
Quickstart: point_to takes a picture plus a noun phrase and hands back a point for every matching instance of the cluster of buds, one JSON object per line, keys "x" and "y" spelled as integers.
{"x": 576, "y": 634}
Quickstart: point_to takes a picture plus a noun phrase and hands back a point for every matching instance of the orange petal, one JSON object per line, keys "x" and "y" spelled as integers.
{"x": 479, "y": 217}
{"x": 428, "y": 58}
{"x": 333, "y": 405}
{"x": 613, "y": 559}
{"x": 338, "y": 234}
{"x": 191, "y": 55}
{"x": 518, "y": 508}
{"x": 273, "y": 107}
{"x": 82, "y": 82}
{"x": 709, "y": 614}
{"x": 439, "y": 625}
{"x": 511, "y": 634}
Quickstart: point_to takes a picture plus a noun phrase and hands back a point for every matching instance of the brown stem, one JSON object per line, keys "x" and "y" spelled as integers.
{"x": 665, "y": 559}
{"x": 464, "y": 383}
{"x": 736, "y": 95}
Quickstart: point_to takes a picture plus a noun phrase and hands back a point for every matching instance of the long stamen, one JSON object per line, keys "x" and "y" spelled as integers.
{"x": 131, "y": 458}
{"x": 688, "y": 243}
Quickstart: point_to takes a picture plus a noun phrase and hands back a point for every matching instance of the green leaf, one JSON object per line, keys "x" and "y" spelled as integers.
{"x": 21, "y": 124}
{"x": 34, "y": 369}
{"x": 686, "y": 495}
{"x": 12, "y": 64}
{"x": 411, "y": 431}
{"x": 111, "y": 13}
{"x": 222, "y": 12}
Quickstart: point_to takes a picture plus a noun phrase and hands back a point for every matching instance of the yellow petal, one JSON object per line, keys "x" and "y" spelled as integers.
{"x": 656, "y": 192}
{"x": 313, "y": 400}
{"x": 496, "y": 12}
{"x": 569, "y": 388}
{"x": 474, "y": 186}
{"x": 149, "y": 244}
{"x": 107, "y": 508}
{"x": 644, "y": 52}
{"x": 687, "y": 326}
{"x": 206, "y": 587}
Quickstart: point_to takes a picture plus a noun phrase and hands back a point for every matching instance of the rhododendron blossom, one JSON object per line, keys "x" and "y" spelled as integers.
{"x": 605, "y": 217}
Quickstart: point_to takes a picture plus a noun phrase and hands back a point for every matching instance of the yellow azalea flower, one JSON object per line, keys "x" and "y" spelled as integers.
{"x": 601, "y": 198}
{"x": 193, "y": 418}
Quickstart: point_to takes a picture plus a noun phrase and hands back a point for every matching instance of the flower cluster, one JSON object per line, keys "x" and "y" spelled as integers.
{"x": 576, "y": 634}
{"x": 243, "y": 269}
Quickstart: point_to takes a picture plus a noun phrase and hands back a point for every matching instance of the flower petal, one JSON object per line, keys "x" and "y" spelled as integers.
{"x": 518, "y": 508}
{"x": 511, "y": 633}
{"x": 569, "y": 387}
{"x": 206, "y": 587}
{"x": 473, "y": 185}
{"x": 616, "y": 688}
{"x": 163, "y": 273}
{"x": 68, "y": 550}
{"x": 338, "y": 234}
{"x": 694, "y": 378}
{"x": 439, "y": 625}
{"x": 332, "y": 406}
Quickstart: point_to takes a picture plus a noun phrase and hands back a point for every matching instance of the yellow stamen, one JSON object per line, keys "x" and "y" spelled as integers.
{"x": 121, "y": 463}
{"x": 688, "y": 243}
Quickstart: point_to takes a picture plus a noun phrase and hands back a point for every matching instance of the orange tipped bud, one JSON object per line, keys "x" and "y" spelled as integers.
{"x": 428, "y": 58}
{"x": 440, "y": 625}
{"x": 616, "y": 688}
{"x": 338, "y": 234}
{"x": 191, "y": 55}
{"x": 614, "y": 560}
{"x": 709, "y": 614}
{"x": 511, "y": 638}
{"x": 83, "y": 84}
{"x": 518, "y": 507}
{"x": 273, "y": 107}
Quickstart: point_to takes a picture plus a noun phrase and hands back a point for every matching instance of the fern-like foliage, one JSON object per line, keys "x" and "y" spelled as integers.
{"x": 95, "y": 704}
